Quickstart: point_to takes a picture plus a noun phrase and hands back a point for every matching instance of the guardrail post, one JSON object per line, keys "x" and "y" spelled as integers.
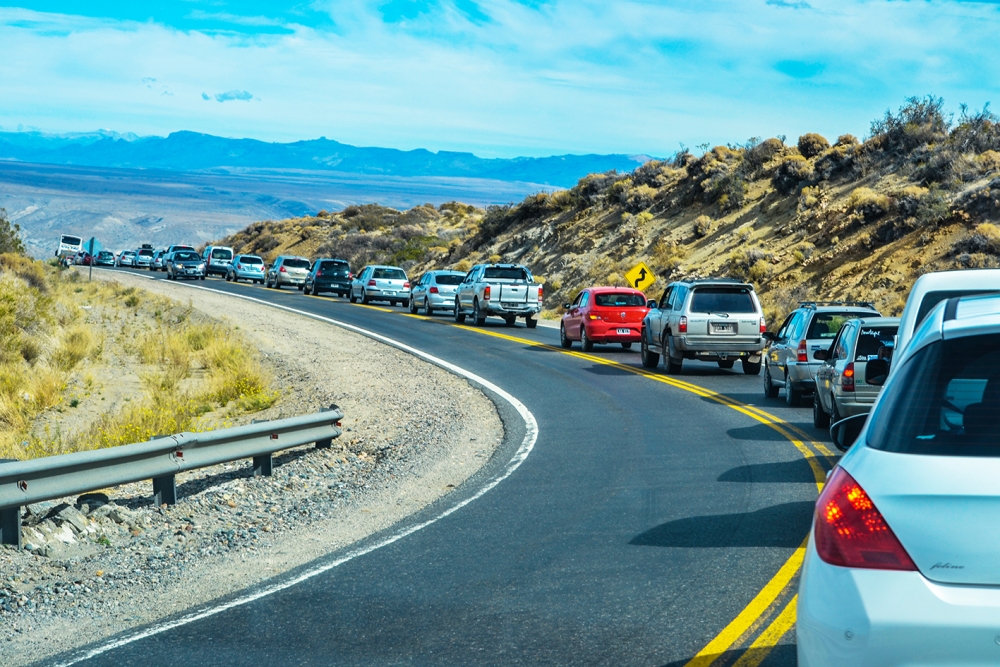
{"x": 164, "y": 490}
{"x": 262, "y": 465}
{"x": 10, "y": 521}
{"x": 326, "y": 443}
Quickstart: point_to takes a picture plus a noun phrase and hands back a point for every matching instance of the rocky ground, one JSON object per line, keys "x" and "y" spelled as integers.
{"x": 108, "y": 561}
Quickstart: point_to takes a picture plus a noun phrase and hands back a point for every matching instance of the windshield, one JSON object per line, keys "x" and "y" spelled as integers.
{"x": 824, "y": 326}
{"x": 871, "y": 339}
{"x": 389, "y": 274}
{"x": 71, "y": 240}
{"x": 251, "y": 260}
{"x": 944, "y": 401}
{"x": 186, "y": 256}
{"x": 723, "y": 300}
{"x": 504, "y": 273}
{"x": 296, "y": 263}
{"x": 624, "y": 300}
{"x": 222, "y": 254}
{"x": 449, "y": 279}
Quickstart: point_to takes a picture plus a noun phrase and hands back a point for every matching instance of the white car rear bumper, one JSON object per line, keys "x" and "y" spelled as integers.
{"x": 866, "y": 618}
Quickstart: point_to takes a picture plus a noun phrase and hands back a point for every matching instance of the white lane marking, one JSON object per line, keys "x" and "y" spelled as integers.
{"x": 530, "y": 436}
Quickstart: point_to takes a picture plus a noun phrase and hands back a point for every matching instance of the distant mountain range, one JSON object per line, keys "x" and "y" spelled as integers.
{"x": 191, "y": 151}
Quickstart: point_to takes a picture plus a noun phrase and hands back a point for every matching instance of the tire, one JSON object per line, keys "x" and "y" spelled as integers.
{"x": 477, "y": 315}
{"x": 510, "y": 320}
{"x": 820, "y": 418}
{"x": 459, "y": 315}
{"x": 412, "y": 307}
{"x": 728, "y": 363}
{"x": 751, "y": 367}
{"x": 364, "y": 297}
{"x": 834, "y": 414}
{"x": 673, "y": 364}
{"x": 585, "y": 343}
{"x": 428, "y": 311}
{"x": 405, "y": 303}
{"x": 202, "y": 278}
{"x": 649, "y": 359}
{"x": 564, "y": 341}
{"x": 302, "y": 287}
{"x": 351, "y": 298}
{"x": 530, "y": 322}
{"x": 305, "y": 289}
{"x": 770, "y": 391}
{"x": 626, "y": 346}
{"x": 793, "y": 397}
{"x": 276, "y": 284}
{"x": 392, "y": 304}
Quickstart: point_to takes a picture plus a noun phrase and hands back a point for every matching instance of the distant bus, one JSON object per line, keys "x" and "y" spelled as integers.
{"x": 69, "y": 245}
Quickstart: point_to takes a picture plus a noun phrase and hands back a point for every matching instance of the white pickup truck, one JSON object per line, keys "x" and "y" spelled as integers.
{"x": 503, "y": 290}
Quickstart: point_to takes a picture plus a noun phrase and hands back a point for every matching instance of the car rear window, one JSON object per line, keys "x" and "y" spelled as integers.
{"x": 222, "y": 254}
{"x": 722, "y": 300}
{"x": 296, "y": 263}
{"x": 334, "y": 266}
{"x": 105, "y": 253}
{"x": 624, "y": 300}
{"x": 871, "y": 339}
{"x": 251, "y": 260}
{"x": 389, "y": 274}
{"x": 932, "y": 299}
{"x": 943, "y": 401}
{"x": 824, "y": 326}
{"x": 504, "y": 273}
{"x": 447, "y": 279}
{"x": 145, "y": 253}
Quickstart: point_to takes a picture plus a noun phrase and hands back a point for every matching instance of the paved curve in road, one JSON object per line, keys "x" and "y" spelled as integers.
{"x": 647, "y": 518}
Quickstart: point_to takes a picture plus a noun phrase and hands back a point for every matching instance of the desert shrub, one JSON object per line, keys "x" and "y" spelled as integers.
{"x": 847, "y": 140}
{"x": 908, "y": 199}
{"x": 591, "y": 189}
{"x": 702, "y": 226}
{"x": 792, "y": 171}
{"x": 812, "y": 144}
{"x": 976, "y": 132}
{"x": 984, "y": 239}
{"x": 756, "y": 154}
{"x": 266, "y": 243}
{"x": 76, "y": 346}
{"x": 25, "y": 268}
{"x": 933, "y": 208}
{"x": 639, "y": 198}
{"x": 988, "y": 161}
{"x": 809, "y": 197}
{"x": 839, "y": 159}
{"x": 682, "y": 159}
{"x": 919, "y": 122}
{"x": 10, "y": 236}
{"x": 653, "y": 173}
{"x": 750, "y": 264}
{"x": 870, "y": 204}
{"x": 463, "y": 265}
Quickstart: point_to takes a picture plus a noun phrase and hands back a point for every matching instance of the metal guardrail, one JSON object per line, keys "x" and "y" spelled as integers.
{"x": 160, "y": 459}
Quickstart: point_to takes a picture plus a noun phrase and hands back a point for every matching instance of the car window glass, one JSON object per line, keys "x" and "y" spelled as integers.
{"x": 448, "y": 279}
{"x": 576, "y": 301}
{"x": 625, "y": 300}
{"x": 932, "y": 299}
{"x": 840, "y": 344}
{"x": 505, "y": 273}
{"x": 665, "y": 300}
{"x": 186, "y": 256}
{"x": 296, "y": 263}
{"x": 585, "y": 299}
{"x": 871, "y": 339}
{"x": 722, "y": 300}
{"x": 826, "y": 325}
{"x": 783, "y": 331}
{"x": 251, "y": 260}
{"x": 680, "y": 294}
{"x": 389, "y": 274}
{"x": 222, "y": 254}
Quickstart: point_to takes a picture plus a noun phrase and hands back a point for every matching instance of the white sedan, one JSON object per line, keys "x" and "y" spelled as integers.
{"x": 903, "y": 563}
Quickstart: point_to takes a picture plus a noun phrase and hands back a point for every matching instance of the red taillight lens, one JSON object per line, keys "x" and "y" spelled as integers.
{"x": 282, "y": 270}
{"x": 682, "y": 326}
{"x": 803, "y": 352}
{"x": 406, "y": 285}
{"x": 371, "y": 283}
{"x": 433, "y": 290}
{"x": 486, "y": 293}
{"x": 847, "y": 379}
{"x": 319, "y": 273}
{"x": 763, "y": 326}
{"x": 540, "y": 293}
{"x": 350, "y": 276}
{"x": 851, "y": 532}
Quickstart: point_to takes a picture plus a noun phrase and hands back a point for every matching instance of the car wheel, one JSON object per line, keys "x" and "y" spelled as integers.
{"x": 672, "y": 363}
{"x": 412, "y": 307}
{"x": 477, "y": 315}
{"x": 364, "y": 297}
{"x": 820, "y": 418}
{"x": 305, "y": 289}
{"x": 626, "y": 346}
{"x": 585, "y": 342}
{"x": 428, "y": 311}
{"x": 563, "y": 338}
{"x": 275, "y": 284}
{"x": 649, "y": 359}
{"x": 459, "y": 315}
{"x": 202, "y": 277}
{"x": 530, "y": 322}
{"x": 770, "y": 391}
{"x": 834, "y": 413}
{"x": 793, "y": 396}
{"x": 405, "y": 303}
{"x": 510, "y": 320}
{"x": 302, "y": 287}
{"x": 728, "y": 363}
{"x": 751, "y": 367}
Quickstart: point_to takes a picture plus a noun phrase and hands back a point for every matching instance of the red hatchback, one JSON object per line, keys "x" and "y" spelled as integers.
{"x": 604, "y": 315}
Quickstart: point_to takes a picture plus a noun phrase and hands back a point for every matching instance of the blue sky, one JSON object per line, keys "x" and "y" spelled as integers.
{"x": 495, "y": 77}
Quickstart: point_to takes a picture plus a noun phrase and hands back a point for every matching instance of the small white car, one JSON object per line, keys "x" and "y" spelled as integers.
{"x": 903, "y": 562}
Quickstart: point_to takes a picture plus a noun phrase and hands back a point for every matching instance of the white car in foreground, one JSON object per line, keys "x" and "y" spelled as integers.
{"x": 903, "y": 563}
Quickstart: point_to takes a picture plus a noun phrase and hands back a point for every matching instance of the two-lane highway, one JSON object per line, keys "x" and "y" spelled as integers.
{"x": 658, "y": 518}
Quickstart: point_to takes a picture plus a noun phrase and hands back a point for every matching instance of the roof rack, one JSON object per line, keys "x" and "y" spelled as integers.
{"x": 857, "y": 304}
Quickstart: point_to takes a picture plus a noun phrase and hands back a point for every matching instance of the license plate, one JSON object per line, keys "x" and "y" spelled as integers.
{"x": 390, "y": 292}
{"x": 723, "y": 328}
{"x": 624, "y": 332}
{"x": 510, "y": 305}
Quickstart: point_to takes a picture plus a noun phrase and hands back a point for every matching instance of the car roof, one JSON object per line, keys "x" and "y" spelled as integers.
{"x": 440, "y": 271}
{"x": 712, "y": 282}
{"x": 879, "y": 321}
{"x": 382, "y": 266}
{"x": 838, "y": 309}
{"x": 605, "y": 289}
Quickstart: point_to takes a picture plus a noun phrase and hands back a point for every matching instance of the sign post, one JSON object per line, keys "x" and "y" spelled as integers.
{"x": 640, "y": 277}
{"x": 90, "y": 276}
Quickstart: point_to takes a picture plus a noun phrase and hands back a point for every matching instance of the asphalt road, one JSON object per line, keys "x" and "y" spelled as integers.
{"x": 645, "y": 520}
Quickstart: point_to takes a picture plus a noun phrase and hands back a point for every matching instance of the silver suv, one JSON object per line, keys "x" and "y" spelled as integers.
{"x": 789, "y": 360}
{"x": 842, "y": 388}
{"x": 287, "y": 270}
{"x": 716, "y": 320}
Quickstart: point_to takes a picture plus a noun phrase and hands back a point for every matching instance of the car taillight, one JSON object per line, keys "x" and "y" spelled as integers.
{"x": 238, "y": 265}
{"x": 847, "y": 379}
{"x": 433, "y": 290}
{"x": 851, "y": 532}
{"x": 682, "y": 326}
{"x": 350, "y": 276}
{"x": 371, "y": 283}
{"x": 763, "y": 326}
{"x": 319, "y": 273}
{"x": 486, "y": 293}
{"x": 803, "y": 353}
{"x": 539, "y": 293}
{"x": 282, "y": 270}
{"x": 406, "y": 285}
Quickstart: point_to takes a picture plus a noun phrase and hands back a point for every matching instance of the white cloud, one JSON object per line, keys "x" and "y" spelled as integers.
{"x": 587, "y": 76}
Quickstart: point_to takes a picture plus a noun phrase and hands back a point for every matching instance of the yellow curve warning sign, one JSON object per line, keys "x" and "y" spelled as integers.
{"x": 640, "y": 277}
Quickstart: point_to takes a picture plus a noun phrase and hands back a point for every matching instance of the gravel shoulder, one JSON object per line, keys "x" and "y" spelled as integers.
{"x": 412, "y": 433}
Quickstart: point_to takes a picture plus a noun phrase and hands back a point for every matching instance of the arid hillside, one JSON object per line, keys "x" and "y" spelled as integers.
{"x": 813, "y": 219}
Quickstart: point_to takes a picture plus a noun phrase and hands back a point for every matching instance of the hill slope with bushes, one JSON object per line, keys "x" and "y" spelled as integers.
{"x": 813, "y": 219}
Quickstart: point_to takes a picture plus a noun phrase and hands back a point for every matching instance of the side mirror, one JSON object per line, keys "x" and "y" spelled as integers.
{"x": 876, "y": 372}
{"x": 769, "y": 335}
{"x": 651, "y": 304}
{"x": 567, "y": 306}
{"x": 846, "y": 431}
{"x": 821, "y": 355}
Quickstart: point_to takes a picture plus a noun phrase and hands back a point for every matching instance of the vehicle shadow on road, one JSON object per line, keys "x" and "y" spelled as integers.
{"x": 602, "y": 369}
{"x": 781, "y": 656}
{"x": 784, "y": 472}
{"x": 776, "y": 526}
{"x": 758, "y": 431}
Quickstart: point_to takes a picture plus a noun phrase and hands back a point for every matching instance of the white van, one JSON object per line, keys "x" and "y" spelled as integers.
{"x": 217, "y": 260}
